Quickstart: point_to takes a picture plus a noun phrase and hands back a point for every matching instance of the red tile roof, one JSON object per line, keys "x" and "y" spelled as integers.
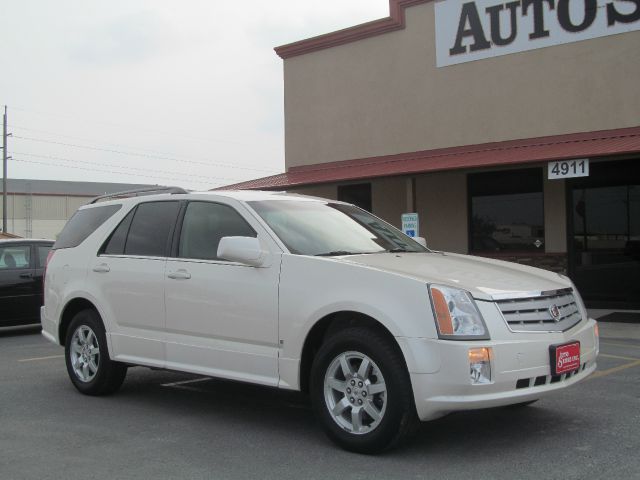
{"x": 512, "y": 152}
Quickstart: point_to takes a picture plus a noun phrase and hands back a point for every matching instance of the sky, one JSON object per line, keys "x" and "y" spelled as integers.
{"x": 186, "y": 93}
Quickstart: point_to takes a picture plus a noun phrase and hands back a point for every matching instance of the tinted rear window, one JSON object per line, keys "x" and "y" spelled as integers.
{"x": 115, "y": 243}
{"x": 84, "y": 223}
{"x": 150, "y": 229}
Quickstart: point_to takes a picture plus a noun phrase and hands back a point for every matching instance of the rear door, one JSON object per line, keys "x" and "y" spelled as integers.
{"x": 129, "y": 275}
{"x": 18, "y": 288}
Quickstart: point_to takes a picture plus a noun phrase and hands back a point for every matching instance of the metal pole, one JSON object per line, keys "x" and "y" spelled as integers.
{"x": 4, "y": 171}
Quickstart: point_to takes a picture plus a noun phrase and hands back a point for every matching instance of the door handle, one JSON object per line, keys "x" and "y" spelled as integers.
{"x": 102, "y": 268}
{"x": 179, "y": 275}
{"x": 26, "y": 275}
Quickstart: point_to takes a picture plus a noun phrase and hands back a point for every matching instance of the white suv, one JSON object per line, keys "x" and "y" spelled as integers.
{"x": 307, "y": 294}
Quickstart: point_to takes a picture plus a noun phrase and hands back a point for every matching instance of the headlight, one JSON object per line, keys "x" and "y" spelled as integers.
{"x": 457, "y": 316}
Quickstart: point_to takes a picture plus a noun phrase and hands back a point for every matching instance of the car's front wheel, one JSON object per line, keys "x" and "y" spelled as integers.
{"x": 361, "y": 391}
{"x": 89, "y": 367}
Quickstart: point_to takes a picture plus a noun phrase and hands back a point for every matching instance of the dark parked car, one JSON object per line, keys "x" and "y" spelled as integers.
{"x": 22, "y": 263}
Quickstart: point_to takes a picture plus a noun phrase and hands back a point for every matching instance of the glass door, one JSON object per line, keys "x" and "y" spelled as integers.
{"x": 604, "y": 235}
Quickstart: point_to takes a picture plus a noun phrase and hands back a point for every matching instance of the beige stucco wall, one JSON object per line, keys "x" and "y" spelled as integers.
{"x": 389, "y": 199}
{"x": 555, "y": 216}
{"x": 384, "y": 95}
{"x": 442, "y": 205}
{"x": 323, "y": 191}
{"x": 441, "y": 200}
{"x": 388, "y": 196}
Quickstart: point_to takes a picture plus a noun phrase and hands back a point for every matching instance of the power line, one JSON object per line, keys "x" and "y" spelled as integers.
{"x": 129, "y": 127}
{"x": 127, "y": 167}
{"x": 143, "y": 155}
{"x": 104, "y": 171}
{"x": 101, "y": 143}
{"x": 84, "y": 139}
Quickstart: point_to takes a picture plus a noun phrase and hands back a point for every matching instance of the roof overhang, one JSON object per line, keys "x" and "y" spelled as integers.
{"x": 621, "y": 141}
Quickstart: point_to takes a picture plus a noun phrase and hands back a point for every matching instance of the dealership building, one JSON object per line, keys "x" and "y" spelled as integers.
{"x": 511, "y": 129}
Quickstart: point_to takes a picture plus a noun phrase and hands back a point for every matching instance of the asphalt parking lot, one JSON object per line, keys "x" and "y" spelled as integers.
{"x": 171, "y": 425}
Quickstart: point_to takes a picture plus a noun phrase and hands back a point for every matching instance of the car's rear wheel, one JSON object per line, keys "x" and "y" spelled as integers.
{"x": 361, "y": 391}
{"x": 89, "y": 367}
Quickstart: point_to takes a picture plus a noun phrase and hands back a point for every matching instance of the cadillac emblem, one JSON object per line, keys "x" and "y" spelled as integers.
{"x": 554, "y": 311}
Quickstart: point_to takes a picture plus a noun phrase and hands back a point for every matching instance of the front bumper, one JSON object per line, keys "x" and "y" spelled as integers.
{"x": 520, "y": 369}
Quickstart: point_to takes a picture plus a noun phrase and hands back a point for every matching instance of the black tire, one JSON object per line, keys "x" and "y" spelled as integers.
{"x": 399, "y": 418}
{"x": 109, "y": 375}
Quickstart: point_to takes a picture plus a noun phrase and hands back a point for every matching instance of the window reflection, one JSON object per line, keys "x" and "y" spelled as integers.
{"x": 606, "y": 224}
{"x": 507, "y": 211}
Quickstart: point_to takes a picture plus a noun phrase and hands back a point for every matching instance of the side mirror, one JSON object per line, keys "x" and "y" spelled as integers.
{"x": 245, "y": 250}
{"x": 421, "y": 240}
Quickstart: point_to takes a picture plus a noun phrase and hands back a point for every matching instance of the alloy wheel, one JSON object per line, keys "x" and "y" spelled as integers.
{"x": 355, "y": 392}
{"x": 84, "y": 353}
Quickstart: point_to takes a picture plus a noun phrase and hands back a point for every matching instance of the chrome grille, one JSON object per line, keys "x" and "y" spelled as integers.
{"x": 533, "y": 313}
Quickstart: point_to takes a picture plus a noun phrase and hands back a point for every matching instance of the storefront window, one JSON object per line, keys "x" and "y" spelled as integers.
{"x": 604, "y": 233}
{"x": 358, "y": 194}
{"x": 506, "y": 211}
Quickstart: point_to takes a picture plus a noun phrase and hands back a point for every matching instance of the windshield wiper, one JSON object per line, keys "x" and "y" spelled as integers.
{"x": 397, "y": 250}
{"x": 336, "y": 253}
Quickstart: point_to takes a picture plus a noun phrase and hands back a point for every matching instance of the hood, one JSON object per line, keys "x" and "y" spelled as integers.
{"x": 486, "y": 279}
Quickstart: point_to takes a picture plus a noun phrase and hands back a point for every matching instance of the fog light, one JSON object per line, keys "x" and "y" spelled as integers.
{"x": 480, "y": 365}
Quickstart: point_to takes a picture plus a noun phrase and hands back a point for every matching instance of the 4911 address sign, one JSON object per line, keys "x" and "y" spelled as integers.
{"x": 578, "y": 167}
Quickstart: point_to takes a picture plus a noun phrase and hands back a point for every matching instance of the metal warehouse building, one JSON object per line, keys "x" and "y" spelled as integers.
{"x": 512, "y": 129}
{"x": 40, "y": 208}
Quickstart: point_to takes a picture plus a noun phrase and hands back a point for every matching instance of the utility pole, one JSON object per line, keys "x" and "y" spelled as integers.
{"x": 4, "y": 170}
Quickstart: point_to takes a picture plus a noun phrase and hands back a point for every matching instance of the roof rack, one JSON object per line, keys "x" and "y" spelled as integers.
{"x": 138, "y": 193}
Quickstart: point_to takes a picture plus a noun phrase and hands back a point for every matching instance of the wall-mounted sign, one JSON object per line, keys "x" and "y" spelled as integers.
{"x": 568, "y": 168}
{"x": 410, "y": 225}
{"x": 473, "y": 30}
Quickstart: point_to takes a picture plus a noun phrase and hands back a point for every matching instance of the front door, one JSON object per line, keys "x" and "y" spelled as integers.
{"x": 222, "y": 317}
{"x": 604, "y": 222}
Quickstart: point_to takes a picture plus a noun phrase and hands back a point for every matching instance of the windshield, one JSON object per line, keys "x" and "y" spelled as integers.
{"x": 318, "y": 228}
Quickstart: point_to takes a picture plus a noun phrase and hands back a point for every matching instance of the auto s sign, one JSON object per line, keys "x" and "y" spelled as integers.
{"x": 478, "y": 29}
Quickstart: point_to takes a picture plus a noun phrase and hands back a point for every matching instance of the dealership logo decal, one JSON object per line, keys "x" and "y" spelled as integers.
{"x": 565, "y": 358}
{"x": 473, "y": 30}
{"x": 554, "y": 311}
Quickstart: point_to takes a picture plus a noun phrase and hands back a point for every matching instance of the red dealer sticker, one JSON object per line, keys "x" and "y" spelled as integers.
{"x": 564, "y": 358}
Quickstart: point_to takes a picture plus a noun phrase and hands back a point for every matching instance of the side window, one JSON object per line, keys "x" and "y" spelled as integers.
{"x": 117, "y": 240}
{"x": 150, "y": 228}
{"x": 15, "y": 257}
{"x": 42, "y": 252}
{"x": 83, "y": 223}
{"x": 205, "y": 224}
